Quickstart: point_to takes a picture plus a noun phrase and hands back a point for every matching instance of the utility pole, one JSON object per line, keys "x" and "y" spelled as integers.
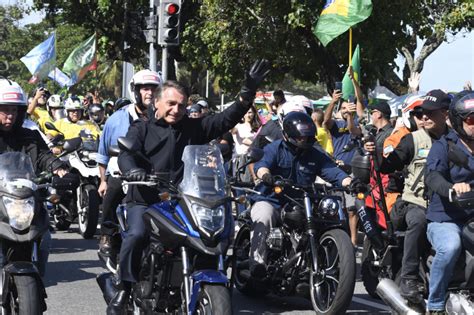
{"x": 151, "y": 34}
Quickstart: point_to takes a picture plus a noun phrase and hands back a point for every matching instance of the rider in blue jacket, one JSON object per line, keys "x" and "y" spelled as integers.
{"x": 294, "y": 157}
{"x": 443, "y": 177}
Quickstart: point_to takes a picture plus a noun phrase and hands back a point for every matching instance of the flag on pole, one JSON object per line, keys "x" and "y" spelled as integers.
{"x": 60, "y": 77}
{"x": 41, "y": 59}
{"x": 347, "y": 86}
{"x": 81, "y": 60}
{"x": 338, "y": 16}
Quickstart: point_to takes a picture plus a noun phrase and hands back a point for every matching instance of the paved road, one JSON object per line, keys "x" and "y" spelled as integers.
{"x": 72, "y": 289}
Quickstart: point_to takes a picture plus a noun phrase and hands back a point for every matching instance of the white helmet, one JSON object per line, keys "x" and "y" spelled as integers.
{"x": 73, "y": 103}
{"x": 298, "y": 103}
{"x": 142, "y": 77}
{"x": 11, "y": 93}
{"x": 408, "y": 106}
{"x": 54, "y": 101}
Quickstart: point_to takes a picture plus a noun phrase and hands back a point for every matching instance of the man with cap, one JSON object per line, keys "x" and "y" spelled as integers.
{"x": 195, "y": 111}
{"x": 409, "y": 213}
{"x": 204, "y": 107}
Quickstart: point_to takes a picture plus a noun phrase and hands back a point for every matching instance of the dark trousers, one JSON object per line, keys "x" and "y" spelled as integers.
{"x": 410, "y": 218}
{"x": 113, "y": 197}
{"x": 133, "y": 243}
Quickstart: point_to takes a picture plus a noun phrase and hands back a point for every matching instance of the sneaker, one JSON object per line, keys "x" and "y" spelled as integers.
{"x": 105, "y": 244}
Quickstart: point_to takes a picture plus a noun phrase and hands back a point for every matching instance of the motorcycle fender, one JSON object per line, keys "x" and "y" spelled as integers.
{"x": 205, "y": 276}
{"x": 85, "y": 171}
{"x": 19, "y": 268}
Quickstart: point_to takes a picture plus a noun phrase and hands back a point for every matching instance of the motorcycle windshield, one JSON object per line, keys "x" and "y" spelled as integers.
{"x": 16, "y": 173}
{"x": 204, "y": 174}
{"x": 89, "y": 143}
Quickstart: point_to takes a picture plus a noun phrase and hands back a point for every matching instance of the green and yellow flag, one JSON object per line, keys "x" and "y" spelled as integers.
{"x": 81, "y": 60}
{"x": 347, "y": 87}
{"x": 338, "y": 16}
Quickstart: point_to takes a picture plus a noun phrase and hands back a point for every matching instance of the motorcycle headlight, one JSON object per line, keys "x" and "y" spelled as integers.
{"x": 93, "y": 156}
{"x": 328, "y": 207}
{"x": 85, "y": 156}
{"x": 211, "y": 220}
{"x": 20, "y": 212}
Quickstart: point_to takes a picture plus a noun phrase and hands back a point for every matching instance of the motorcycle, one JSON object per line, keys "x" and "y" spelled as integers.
{"x": 190, "y": 230}
{"x": 85, "y": 201}
{"x": 310, "y": 255}
{"x": 461, "y": 287}
{"x": 22, "y": 226}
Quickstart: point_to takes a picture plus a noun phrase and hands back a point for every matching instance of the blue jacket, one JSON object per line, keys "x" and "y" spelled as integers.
{"x": 439, "y": 208}
{"x": 280, "y": 160}
{"x": 116, "y": 126}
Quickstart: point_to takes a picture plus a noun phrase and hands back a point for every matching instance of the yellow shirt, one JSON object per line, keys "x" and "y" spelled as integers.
{"x": 41, "y": 116}
{"x": 73, "y": 130}
{"x": 324, "y": 139}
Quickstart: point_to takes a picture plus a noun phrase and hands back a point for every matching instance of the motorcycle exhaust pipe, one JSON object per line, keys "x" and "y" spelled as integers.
{"x": 390, "y": 294}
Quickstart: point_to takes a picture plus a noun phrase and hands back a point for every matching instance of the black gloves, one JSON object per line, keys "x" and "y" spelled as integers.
{"x": 268, "y": 179}
{"x": 357, "y": 186}
{"x": 136, "y": 175}
{"x": 253, "y": 78}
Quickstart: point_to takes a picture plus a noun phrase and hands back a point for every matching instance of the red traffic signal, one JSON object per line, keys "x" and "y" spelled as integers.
{"x": 172, "y": 8}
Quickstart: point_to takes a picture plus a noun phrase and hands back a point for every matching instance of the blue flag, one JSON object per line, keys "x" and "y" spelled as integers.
{"x": 41, "y": 60}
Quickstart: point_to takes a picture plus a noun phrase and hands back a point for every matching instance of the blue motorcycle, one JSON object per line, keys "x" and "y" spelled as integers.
{"x": 190, "y": 230}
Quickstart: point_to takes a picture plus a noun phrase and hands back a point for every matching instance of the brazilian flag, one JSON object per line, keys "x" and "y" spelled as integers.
{"x": 338, "y": 16}
{"x": 347, "y": 86}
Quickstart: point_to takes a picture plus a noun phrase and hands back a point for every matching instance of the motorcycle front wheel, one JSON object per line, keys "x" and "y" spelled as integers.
{"x": 89, "y": 203}
{"x": 213, "y": 299}
{"x": 332, "y": 286}
{"x": 24, "y": 297}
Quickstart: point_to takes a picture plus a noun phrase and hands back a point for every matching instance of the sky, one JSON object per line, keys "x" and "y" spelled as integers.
{"x": 447, "y": 68}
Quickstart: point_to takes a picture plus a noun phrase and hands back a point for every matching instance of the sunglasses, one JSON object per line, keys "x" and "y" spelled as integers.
{"x": 419, "y": 113}
{"x": 371, "y": 111}
{"x": 469, "y": 120}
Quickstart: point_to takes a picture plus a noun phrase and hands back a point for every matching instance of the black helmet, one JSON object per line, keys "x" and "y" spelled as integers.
{"x": 299, "y": 130}
{"x": 459, "y": 110}
{"x": 121, "y": 102}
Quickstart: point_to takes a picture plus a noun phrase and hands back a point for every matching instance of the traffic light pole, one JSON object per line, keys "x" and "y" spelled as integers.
{"x": 164, "y": 63}
{"x": 152, "y": 51}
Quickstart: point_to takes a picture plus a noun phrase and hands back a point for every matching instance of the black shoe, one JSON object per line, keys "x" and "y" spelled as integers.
{"x": 258, "y": 271}
{"x": 410, "y": 290}
{"x": 105, "y": 245}
{"x": 118, "y": 304}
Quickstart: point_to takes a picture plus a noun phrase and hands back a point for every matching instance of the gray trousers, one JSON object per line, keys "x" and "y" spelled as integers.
{"x": 264, "y": 217}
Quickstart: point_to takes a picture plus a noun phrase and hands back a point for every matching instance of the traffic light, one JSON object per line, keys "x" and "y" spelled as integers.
{"x": 168, "y": 24}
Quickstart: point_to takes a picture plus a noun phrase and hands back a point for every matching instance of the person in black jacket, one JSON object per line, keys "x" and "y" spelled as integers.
{"x": 162, "y": 140}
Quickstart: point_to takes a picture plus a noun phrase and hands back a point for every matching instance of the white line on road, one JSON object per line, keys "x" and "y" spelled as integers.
{"x": 371, "y": 304}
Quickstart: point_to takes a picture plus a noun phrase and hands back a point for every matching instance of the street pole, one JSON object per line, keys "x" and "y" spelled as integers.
{"x": 153, "y": 51}
{"x": 164, "y": 63}
{"x": 207, "y": 84}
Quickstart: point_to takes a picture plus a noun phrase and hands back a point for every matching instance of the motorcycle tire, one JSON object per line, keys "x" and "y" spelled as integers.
{"x": 369, "y": 273}
{"x": 213, "y": 299}
{"x": 24, "y": 297}
{"x": 336, "y": 257}
{"x": 241, "y": 250}
{"x": 90, "y": 200}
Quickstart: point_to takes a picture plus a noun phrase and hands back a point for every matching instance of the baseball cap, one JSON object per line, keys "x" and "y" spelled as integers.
{"x": 202, "y": 103}
{"x": 382, "y": 107}
{"x": 435, "y": 100}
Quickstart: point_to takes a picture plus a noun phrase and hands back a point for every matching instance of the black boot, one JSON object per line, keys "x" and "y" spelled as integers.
{"x": 118, "y": 304}
{"x": 410, "y": 290}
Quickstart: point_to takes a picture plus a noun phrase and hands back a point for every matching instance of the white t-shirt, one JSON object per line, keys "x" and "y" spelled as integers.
{"x": 242, "y": 131}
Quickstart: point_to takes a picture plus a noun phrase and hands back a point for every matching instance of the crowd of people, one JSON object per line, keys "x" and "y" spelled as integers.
{"x": 299, "y": 142}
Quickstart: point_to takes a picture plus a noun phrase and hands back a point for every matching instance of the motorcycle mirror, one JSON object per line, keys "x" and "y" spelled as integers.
{"x": 114, "y": 150}
{"x": 49, "y": 125}
{"x": 125, "y": 144}
{"x": 254, "y": 155}
{"x": 72, "y": 145}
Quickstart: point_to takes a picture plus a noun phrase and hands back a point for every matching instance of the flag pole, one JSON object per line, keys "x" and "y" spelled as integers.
{"x": 350, "y": 46}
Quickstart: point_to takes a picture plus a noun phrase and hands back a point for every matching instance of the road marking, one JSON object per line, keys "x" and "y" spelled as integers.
{"x": 370, "y": 303}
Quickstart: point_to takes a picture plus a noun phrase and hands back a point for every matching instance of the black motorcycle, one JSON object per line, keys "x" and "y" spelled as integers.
{"x": 23, "y": 222}
{"x": 310, "y": 255}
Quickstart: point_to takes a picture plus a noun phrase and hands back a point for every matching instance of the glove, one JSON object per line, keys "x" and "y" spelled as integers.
{"x": 268, "y": 179}
{"x": 136, "y": 175}
{"x": 357, "y": 186}
{"x": 253, "y": 78}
